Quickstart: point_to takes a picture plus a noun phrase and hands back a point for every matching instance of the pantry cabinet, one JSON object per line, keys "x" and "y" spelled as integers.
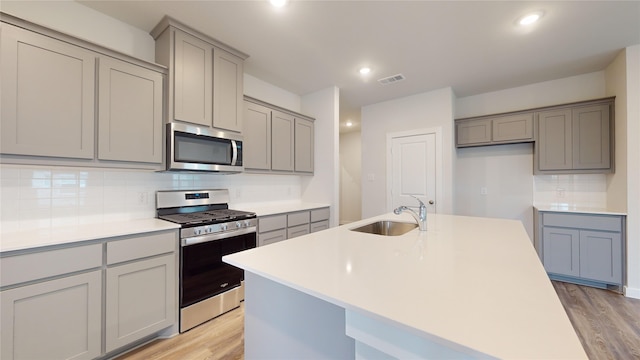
{"x": 205, "y": 76}
{"x": 48, "y": 91}
{"x": 60, "y": 94}
{"x": 582, "y": 248}
{"x": 277, "y": 140}
{"x": 574, "y": 139}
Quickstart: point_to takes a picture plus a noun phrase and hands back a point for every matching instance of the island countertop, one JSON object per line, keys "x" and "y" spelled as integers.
{"x": 475, "y": 282}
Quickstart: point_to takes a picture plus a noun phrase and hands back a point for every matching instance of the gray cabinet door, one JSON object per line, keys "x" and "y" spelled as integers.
{"x": 193, "y": 80}
{"x": 601, "y": 256}
{"x": 257, "y": 137}
{"x": 554, "y": 148}
{"x": 47, "y": 96}
{"x": 130, "y": 112}
{"x": 282, "y": 141}
{"x": 303, "y": 145}
{"x": 512, "y": 128}
{"x": 473, "y": 132}
{"x": 227, "y": 90}
{"x": 561, "y": 251}
{"x": 272, "y": 237}
{"x": 140, "y": 300}
{"x": 56, "y": 319}
{"x": 591, "y": 137}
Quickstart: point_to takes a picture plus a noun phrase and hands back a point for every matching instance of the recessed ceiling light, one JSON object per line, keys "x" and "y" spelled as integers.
{"x": 365, "y": 70}
{"x": 349, "y": 124}
{"x": 530, "y": 18}
{"x": 278, "y": 3}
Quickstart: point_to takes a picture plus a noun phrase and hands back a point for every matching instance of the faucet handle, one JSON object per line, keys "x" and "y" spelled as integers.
{"x": 420, "y": 201}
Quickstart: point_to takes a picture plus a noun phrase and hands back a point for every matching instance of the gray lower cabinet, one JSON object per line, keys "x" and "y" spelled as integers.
{"x": 583, "y": 248}
{"x": 52, "y": 301}
{"x": 56, "y": 319}
{"x": 278, "y": 227}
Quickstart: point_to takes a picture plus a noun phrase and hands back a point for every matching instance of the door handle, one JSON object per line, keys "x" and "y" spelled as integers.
{"x": 431, "y": 202}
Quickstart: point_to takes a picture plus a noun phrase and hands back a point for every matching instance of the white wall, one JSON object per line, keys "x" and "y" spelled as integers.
{"x": 426, "y": 110}
{"x": 323, "y": 186}
{"x": 80, "y": 21}
{"x": 350, "y": 177}
{"x": 264, "y": 91}
{"x": 633, "y": 170}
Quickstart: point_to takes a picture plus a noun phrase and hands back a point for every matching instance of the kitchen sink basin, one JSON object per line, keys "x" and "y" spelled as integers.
{"x": 386, "y": 228}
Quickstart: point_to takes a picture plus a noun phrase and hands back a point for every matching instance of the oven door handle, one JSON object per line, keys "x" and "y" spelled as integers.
{"x": 217, "y": 236}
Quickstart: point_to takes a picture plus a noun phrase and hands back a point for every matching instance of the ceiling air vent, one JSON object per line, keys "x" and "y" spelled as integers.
{"x": 391, "y": 79}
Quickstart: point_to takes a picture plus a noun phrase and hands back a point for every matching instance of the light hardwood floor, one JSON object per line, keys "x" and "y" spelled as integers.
{"x": 608, "y": 325}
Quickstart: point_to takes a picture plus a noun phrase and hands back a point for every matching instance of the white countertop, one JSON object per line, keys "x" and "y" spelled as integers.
{"x": 577, "y": 209}
{"x": 21, "y": 240}
{"x": 472, "y": 281}
{"x": 264, "y": 209}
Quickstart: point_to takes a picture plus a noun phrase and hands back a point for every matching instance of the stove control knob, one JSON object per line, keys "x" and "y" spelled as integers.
{"x": 208, "y": 229}
{"x": 197, "y": 231}
{"x": 238, "y": 224}
{"x": 223, "y": 227}
{"x": 247, "y": 223}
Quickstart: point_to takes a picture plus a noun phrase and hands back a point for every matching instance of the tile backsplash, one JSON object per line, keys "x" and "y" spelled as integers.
{"x": 39, "y": 197}
{"x": 583, "y": 190}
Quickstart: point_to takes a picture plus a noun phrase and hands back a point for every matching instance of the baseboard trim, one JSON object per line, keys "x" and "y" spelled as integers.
{"x": 632, "y": 292}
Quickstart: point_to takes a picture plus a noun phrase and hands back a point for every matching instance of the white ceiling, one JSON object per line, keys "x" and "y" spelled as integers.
{"x": 472, "y": 46}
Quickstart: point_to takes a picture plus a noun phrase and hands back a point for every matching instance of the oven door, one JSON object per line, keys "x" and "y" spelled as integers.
{"x": 202, "y": 272}
{"x": 201, "y": 149}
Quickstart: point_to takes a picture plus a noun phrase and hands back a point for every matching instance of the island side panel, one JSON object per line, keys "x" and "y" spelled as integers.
{"x": 283, "y": 323}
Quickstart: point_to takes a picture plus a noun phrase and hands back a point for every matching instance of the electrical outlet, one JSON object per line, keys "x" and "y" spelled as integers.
{"x": 142, "y": 198}
{"x": 483, "y": 191}
{"x": 560, "y": 192}
{"x": 371, "y": 177}
{"x": 238, "y": 193}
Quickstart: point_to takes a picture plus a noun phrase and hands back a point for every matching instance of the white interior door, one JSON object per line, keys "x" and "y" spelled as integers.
{"x": 413, "y": 170}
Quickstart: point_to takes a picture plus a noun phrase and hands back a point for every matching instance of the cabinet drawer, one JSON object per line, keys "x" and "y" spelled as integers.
{"x": 319, "y": 226}
{"x": 271, "y": 237}
{"x": 297, "y": 231}
{"x": 29, "y": 267}
{"x": 298, "y": 218}
{"x": 141, "y": 246}
{"x": 270, "y": 223}
{"x": 594, "y": 222}
{"x": 319, "y": 214}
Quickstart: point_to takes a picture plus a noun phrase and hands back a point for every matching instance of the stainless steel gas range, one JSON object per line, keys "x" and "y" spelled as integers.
{"x": 209, "y": 230}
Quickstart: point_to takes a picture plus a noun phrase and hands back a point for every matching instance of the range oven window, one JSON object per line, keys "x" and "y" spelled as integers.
{"x": 199, "y": 149}
{"x": 204, "y": 274}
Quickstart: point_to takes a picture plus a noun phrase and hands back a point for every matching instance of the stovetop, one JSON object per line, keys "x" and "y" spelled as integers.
{"x": 207, "y": 217}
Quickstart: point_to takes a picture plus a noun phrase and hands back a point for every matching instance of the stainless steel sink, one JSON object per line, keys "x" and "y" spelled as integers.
{"x": 386, "y": 228}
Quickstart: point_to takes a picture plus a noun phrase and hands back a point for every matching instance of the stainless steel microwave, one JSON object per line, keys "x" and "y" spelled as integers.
{"x": 192, "y": 148}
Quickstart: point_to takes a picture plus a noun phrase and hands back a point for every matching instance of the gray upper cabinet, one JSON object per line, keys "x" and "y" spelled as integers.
{"x": 494, "y": 130}
{"x": 206, "y": 76}
{"x": 192, "y": 80}
{"x": 257, "y": 137}
{"x": 66, "y": 101}
{"x": 277, "y": 140}
{"x": 282, "y": 127}
{"x": 48, "y": 91}
{"x": 575, "y": 139}
{"x": 303, "y": 145}
{"x": 130, "y": 113}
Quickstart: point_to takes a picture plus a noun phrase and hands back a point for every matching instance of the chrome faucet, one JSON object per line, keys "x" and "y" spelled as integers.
{"x": 420, "y": 216}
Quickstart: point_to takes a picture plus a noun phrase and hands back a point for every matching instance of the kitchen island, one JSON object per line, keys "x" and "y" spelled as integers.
{"x": 466, "y": 288}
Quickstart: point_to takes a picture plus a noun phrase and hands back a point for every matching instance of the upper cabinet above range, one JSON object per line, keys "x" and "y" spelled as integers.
{"x": 205, "y": 77}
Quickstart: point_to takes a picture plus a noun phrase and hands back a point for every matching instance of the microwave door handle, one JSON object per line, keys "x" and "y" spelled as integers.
{"x": 234, "y": 156}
